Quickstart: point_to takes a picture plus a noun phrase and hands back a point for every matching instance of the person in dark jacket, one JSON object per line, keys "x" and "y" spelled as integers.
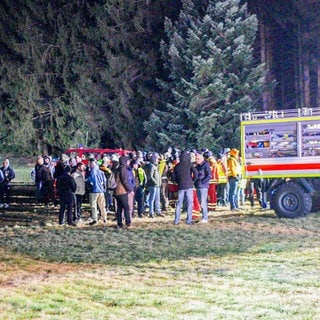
{"x": 153, "y": 185}
{"x": 131, "y": 181}
{"x": 44, "y": 181}
{"x": 66, "y": 186}
{"x": 202, "y": 184}
{"x": 37, "y": 177}
{"x": 8, "y": 175}
{"x": 121, "y": 193}
{"x": 184, "y": 175}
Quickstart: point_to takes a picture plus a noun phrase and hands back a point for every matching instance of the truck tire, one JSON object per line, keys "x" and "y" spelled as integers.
{"x": 291, "y": 201}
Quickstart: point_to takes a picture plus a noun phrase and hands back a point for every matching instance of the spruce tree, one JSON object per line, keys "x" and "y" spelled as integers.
{"x": 76, "y": 72}
{"x": 48, "y": 56}
{"x": 213, "y": 75}
{"x": 130, "y": 35}
{"x": 173, "y": 123}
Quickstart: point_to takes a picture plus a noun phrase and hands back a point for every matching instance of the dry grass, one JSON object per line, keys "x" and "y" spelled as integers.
{"x": 251, "y": 265}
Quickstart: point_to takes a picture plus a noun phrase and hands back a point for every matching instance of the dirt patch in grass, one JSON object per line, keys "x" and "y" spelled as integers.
{"x": 17, "y": 270}
{"x": 277, "y": 228}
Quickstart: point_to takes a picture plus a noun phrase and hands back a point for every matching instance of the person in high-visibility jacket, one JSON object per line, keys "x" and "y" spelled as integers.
{"x": 212, "y": 193}
{"x": 140, "y": 184}
{"x": 163, "y": 170}
{"x": 234, "y": 174}
{"x": 222, "y": 187}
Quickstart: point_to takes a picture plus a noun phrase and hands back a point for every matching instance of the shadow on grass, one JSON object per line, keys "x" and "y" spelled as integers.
{"x": 162, "y": 241}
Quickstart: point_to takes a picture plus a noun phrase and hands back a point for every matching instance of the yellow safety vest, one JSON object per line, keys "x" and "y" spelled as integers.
{"x": 222, "y": 177}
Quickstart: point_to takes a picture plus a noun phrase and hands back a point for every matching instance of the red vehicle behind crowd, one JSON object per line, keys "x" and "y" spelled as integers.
{"x": 86, "y": 153}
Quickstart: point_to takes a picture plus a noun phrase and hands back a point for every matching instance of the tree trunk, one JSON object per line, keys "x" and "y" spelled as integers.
{"x": 306, "y": 80}
{"x": 267, "y": 60}
{"x": 298, "y": 69}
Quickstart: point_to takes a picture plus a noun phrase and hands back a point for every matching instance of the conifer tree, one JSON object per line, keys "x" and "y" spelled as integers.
{"x": 213, "y": 75}
{"x": 42, "y": 102}
{"x": 130, "y": 34}
{"x": 76, "y": 72}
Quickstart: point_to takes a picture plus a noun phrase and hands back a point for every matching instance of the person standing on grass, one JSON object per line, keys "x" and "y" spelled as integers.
{"x": 80, "y": 179}
{"x": 184, "y": 174}
{"x": 106, "y": 169}
{"x": 131, "y": 181}
{"x": 222, "y": 181}
{"x": 8, "y": 175}
{"x": 140, "y": 183}
{"x": 121, "y": 193}
{"x": 153, "y": 184}
{"x": 98, "y": 184}
{"x": 114, "y": 166}
{"x": 66, "y": 186}
{"x": 47, "y": 181}
{"x": 163, "y": 170}
{"x": 234, "y": 175}
{"x": 212, "y": 191}
{"x": 38, "y": 178}
{"x": 202, "y": 184}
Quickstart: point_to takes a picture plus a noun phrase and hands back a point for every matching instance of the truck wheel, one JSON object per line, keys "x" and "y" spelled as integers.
{"x": 291, "y": 201}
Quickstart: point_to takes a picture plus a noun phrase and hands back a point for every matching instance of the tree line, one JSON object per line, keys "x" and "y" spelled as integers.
{"x": 125, "y": 73}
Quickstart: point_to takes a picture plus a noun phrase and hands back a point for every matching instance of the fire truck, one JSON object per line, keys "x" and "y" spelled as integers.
{"x": 86, "y": 153}
{"x": 283, "y": 146}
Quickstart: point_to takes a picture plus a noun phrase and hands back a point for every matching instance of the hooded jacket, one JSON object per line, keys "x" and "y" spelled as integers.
{"x": 204, "y": 175}
{"x": 66, "y": 184}
{"x": 234, "y": 167}
{"x": 121, "y": 175}
{"x": 80, "y": 180}
{"x": 184, "y": 173}
{"x": 97, "y": 179}
{"x": 152, "y": 172}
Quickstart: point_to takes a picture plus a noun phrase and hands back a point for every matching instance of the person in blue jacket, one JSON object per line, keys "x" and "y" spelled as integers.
{"x": 98, "y": 185}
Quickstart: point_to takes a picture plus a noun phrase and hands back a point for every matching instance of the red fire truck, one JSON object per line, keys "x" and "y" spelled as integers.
{"x": 86, "y": 153}
{"x": 284, "y": 146}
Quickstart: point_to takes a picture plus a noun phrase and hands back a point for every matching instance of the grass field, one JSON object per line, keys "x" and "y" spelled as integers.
{"x": 251, "y": 265}
{"x": 23, "y": 174}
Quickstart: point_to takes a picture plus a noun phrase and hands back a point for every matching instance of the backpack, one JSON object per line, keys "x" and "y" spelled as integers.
{"x": 112, "y": 183}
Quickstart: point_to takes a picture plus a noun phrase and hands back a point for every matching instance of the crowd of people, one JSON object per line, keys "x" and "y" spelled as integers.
{"x": 144, "y": 184}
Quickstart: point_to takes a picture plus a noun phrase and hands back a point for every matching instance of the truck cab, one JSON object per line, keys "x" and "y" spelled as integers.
{"x": 284, "y": 147}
